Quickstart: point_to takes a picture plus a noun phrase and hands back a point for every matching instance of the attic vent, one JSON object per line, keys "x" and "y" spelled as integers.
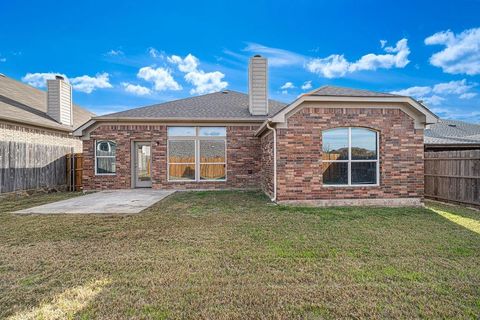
{"x": 224, "y": 91}
{"x": 452, "y": 125}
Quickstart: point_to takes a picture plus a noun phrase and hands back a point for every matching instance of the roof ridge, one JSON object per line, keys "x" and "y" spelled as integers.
{"x": 155, "y": 105}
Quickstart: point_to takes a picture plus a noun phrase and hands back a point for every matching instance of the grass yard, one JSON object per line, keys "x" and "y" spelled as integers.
{"x": 225, "y": 255}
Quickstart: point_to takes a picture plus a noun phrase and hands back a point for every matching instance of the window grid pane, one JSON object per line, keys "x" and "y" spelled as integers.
{"x": 201, "y": 157}
{"x": 105, "y": 151}
{"x": 361, "y": 163}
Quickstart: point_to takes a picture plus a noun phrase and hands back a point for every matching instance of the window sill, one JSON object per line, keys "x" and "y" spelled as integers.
{"x": 350, "y": 186}
{"x": 196, "y": 181}
{"x": 105, "y": 174}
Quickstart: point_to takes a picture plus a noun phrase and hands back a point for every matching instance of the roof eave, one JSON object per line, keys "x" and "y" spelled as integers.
{"x": 36, "y": 124}
{"x": 79, "y": 132}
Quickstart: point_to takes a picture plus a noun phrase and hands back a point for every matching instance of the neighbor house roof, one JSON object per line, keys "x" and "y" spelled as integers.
{"x": 223, "y": 105}
{"x": 452, "y": 132}
{"x": 24, "y": 104}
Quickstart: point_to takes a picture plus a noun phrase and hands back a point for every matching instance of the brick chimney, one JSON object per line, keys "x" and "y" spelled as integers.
{"x": 258, "y": 85}
{"x": 59, "y": 100}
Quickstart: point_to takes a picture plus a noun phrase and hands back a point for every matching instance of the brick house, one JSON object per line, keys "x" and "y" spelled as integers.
{"x": 332, "y": 146}
{"x": 35, "y": 134}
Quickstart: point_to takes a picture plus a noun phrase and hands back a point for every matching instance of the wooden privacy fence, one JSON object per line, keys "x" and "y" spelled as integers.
{"x": 28, "y": 166}
{"x": 453, "y": 176}
{"x": 74, "y": 171}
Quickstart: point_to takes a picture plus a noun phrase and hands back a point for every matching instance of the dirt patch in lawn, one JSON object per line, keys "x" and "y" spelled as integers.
{"x": 234, "y": 255}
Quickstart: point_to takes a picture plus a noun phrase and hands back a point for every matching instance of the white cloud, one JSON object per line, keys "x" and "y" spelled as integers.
{"x": 88, "y": 84}
{"x": 161, "y": 78}
{"x": 414, "y": 91}
{"x": 39, "y": 79}
{"x": 453, "y": 87}
{"x": 84, "y": 83}
{"x": 154, "y": 53}
{"x": 276, "y": 57}
{"x": 114, "y": 53}
{"x": 307, "y": 85}
{"x": 332, "y": 66}
{"x": 383, "y": 43}
{"x": 136, "y": 89}
{"x": 467, "y": 96}
{"x": 461, "y": 53}
{"x": 204, "y": 82}
{"x": 432, "y": 100}
{"x": 287, "y": 85}
{"x": 437, "y": 94}
{"x": 336, "y": 65}
{"x": 188, "y": 64}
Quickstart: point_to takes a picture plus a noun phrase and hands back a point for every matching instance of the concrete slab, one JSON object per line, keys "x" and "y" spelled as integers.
{"x": 112, "y": 201}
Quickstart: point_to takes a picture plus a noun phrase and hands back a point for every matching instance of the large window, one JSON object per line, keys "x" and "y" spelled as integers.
{"x": 105, "y": 157}
{"x": 350, "y": 157}
{"x": 196, "y": 153}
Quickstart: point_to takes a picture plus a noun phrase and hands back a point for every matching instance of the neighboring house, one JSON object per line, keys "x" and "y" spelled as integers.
{"x": 35, "y": 133}
{"x": 452, "y": 135}
{"x": 332, "y": 146}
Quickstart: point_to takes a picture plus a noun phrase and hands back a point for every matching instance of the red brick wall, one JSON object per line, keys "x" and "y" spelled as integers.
{"x": 267, "y": 163}
{"x": 299, "y": 154}
{"x": 243, "y": 158}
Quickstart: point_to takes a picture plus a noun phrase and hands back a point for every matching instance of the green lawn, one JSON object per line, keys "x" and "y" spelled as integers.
{"x": 224, "y": 255}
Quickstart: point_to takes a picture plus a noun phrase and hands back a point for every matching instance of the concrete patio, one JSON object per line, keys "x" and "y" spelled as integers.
{"x": 103, "y": 202}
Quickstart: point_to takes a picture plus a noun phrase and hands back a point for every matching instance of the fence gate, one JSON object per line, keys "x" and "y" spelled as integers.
{"x": 453, "y": 176}
{"x": 74, "y": 171}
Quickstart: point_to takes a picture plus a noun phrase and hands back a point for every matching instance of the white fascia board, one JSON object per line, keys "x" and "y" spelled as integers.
{"x": 430, "y": 117}
{"x": 79, "y": 131}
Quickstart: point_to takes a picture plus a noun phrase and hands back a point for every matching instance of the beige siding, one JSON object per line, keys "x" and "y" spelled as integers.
{"x": 59, "y": 101}
{"x": 257, "y": 90}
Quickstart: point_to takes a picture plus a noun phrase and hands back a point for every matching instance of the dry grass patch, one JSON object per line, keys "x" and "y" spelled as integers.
{"x": 234, "y": 255}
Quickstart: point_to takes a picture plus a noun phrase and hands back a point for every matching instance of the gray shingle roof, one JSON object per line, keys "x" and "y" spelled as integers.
{"x": 452, "y": 132}
{"x": 223, "y": 105}
{"x": 348, "y": 92}
{"x": 22, "y": 103}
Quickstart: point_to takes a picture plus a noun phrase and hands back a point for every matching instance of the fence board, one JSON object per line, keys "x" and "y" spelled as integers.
{"x": 453, "y": 176}
{"x": 27, "y": 166}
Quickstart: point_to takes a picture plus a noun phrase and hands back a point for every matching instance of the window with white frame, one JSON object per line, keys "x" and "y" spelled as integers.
{"x": 350, "y": 157}
{"x": 196, "y": 154}
{"x": 105, "y": 151}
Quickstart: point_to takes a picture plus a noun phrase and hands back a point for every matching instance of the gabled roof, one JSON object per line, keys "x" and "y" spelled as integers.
{"x": 223, "y": 105}
{"x": 334, "y": 91}
{"x": 452, "y": 132}
{"x": 418, "y": 111}
{"x": 24, "y": 104}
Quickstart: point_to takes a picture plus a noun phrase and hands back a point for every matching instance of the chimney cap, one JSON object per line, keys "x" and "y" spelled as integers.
{"x": 257, "y": 56}
{"x": 58, "y": 77}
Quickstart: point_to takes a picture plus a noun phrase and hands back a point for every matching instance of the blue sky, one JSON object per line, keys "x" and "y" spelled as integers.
{"x": 123, "y": 54}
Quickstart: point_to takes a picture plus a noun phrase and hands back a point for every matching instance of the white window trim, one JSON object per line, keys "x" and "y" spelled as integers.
{"x": 349, "y": 161}
{"x": 197, "y": 138}
{"x": 114, "y": 158}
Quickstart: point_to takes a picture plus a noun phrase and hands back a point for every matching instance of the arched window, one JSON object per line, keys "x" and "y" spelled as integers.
{"x": 105, "y": 152}
{"x": 350, "y": 157}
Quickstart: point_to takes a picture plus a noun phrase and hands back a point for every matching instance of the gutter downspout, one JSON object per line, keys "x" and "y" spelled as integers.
{"x": 274, "y": 162}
